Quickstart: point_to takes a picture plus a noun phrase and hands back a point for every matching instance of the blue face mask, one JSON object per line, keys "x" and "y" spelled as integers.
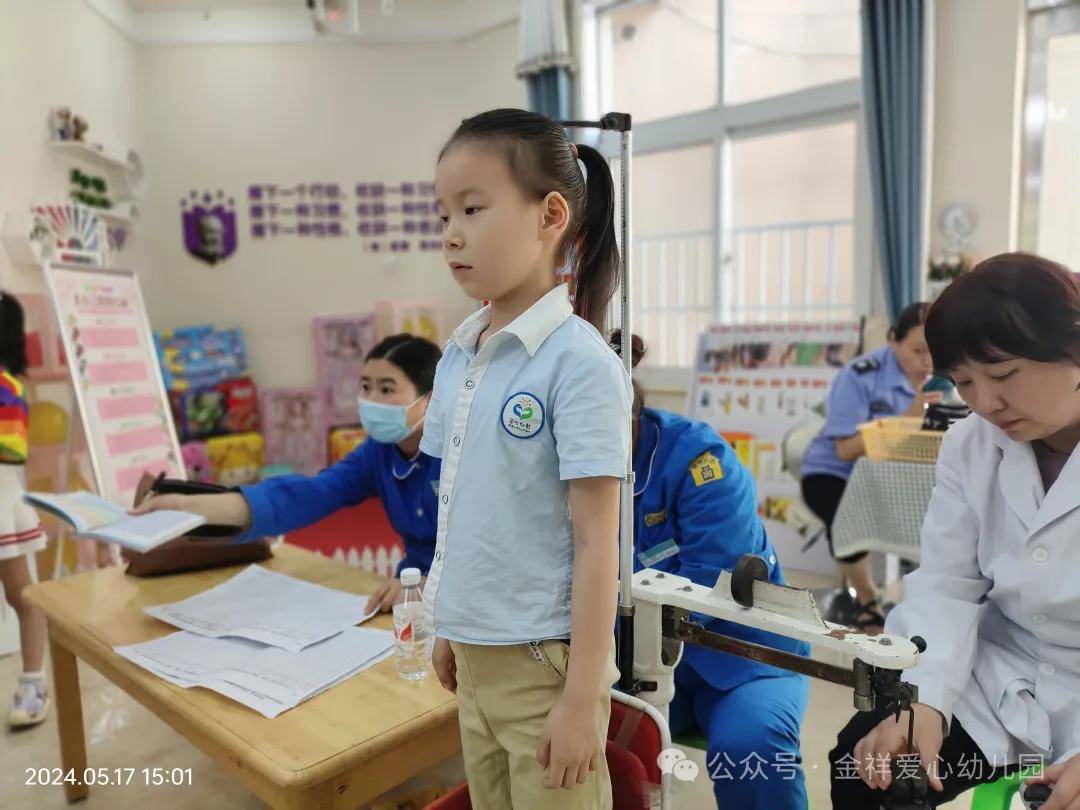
{"x": 386, "y": 423}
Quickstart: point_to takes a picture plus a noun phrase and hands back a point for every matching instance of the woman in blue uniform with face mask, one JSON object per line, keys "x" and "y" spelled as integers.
{"x": 396, "y": 385}
{"x": 695, "y": 514}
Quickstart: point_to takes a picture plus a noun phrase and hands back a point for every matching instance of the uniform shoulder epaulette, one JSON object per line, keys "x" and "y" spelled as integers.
{"x": 866, "y": 365}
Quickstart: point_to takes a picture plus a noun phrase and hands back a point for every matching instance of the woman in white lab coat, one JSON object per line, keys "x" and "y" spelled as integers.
{"x": 997, "y": 593}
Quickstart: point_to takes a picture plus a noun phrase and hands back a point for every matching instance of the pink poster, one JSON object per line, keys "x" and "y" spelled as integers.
{"x": 117, "y": 382}
{"x": 341, "y": 343}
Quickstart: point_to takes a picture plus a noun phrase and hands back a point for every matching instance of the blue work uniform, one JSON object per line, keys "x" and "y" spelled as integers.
{"x": 869, "y": 387}
{"x": 695, "y": 513}
{"x": 407, "y": 488}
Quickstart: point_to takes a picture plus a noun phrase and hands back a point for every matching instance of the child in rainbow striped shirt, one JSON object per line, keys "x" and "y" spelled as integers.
{"x": 20, "y": 530}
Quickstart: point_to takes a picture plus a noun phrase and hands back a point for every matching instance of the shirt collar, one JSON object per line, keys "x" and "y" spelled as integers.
{"x": 401, "y": 467}
{"x": 532, "y": 327}
{"x": 647, "y": 445}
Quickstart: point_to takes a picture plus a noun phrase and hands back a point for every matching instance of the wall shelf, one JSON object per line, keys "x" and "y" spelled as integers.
{"x": 85, "y": 152}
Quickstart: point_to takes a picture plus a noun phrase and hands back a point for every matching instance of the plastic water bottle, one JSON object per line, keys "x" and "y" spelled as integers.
{"x": 411, "y": 629}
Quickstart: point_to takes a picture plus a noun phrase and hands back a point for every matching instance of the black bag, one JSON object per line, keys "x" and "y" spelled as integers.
{"x": 208, "y": 546}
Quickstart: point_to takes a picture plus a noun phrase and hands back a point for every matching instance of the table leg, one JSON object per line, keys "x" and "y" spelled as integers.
{"x": 69, "y": 718}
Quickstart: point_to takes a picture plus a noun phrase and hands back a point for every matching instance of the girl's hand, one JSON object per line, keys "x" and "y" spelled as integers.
{"x": 569, "y": 743}
{"x": 226, "y": 509}
{"x": 383, "y": 599}
{"x": 442, "y": 657}
{"x": 875, "y": 751}
{"x": 1065, "y": 778}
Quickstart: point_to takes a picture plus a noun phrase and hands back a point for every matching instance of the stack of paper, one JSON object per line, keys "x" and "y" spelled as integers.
{"x": 264, "y": 639}
{"x": 267, "y": 679}
{"x": 268, "y": 607}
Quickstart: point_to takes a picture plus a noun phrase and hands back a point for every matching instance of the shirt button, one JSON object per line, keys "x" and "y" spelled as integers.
{"x": 1047, "y": 669}
{"x": 445, "y": 499}
{"x": 1040, "y": 555}
{"x": 457, "y": 441}
{"x": 419, "y": 512}
{"x": 1039, "y": 618}
{"x": 470, "y": 384}
{"x": 438, "y": 556}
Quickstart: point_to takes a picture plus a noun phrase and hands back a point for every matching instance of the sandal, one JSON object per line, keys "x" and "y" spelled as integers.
{"x": 869, "y": 618}
{"x": 30, "y": 705}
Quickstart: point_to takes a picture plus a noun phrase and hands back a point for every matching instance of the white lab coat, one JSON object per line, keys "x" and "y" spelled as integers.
{"x": 997, "y": 597}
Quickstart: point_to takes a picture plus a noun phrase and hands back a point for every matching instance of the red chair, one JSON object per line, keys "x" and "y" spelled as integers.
{"x": 637, "y": 734}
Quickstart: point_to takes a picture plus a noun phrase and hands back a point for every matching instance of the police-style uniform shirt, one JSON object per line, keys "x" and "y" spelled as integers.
{"x": 869, "y": 387}
{"x": 545, "y": 400}
{"x": 695, "y": 513}
{"x": 406, "y": 487}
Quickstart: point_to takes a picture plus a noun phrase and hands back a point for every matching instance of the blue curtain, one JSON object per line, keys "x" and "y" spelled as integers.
{"x": 549, "y": 93}
{"x": 893, "y": 38}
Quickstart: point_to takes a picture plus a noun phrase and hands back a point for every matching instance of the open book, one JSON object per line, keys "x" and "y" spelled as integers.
{"x": 99, "y": 519}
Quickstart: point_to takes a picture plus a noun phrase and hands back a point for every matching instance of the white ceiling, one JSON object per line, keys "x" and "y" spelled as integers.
{"x": 152, "y": 6}
{"x": 268, "y": 21}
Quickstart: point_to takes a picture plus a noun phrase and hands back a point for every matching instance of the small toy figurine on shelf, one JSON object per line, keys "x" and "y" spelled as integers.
{"x": 61, "y": 127}
{"x": 80, "y": 127}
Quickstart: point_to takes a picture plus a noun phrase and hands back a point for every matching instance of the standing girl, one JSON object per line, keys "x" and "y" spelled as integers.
{"x": 20, "y": 531}
{"x": 531, "y": 416}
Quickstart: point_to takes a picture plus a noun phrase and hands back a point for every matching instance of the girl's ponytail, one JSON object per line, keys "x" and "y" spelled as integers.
{"x": 599, "y": 266}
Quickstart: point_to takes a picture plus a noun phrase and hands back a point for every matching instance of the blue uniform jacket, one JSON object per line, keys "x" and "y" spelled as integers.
{"x": 407, "y": 489}
{"x": 695, "y": 512}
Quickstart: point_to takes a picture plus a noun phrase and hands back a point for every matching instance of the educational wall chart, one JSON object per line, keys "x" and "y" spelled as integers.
{"x": 117, "y": 382}
{"x": 756, "y": 382}
{"x": 389, "y": 217}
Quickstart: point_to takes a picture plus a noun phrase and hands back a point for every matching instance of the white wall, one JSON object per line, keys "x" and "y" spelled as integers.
{"x": 226, "y": 116}
{"x": 976, "y": 112}
{"x": 57, "y": 53}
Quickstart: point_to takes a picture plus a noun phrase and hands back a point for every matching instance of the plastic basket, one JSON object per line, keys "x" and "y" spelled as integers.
{"x": 901, "y": 438}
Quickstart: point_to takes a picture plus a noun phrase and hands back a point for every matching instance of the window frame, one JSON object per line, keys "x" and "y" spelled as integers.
{"x": 719, "y": 126}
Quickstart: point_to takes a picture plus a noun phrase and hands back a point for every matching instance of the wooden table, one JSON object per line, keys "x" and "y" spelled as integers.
{"x": 337, "y": 750}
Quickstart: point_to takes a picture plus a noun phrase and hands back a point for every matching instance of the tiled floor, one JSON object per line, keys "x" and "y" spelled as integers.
{"x": 121, "y": 733}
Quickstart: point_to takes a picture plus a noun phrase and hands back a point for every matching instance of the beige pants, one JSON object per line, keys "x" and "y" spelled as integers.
{"x": 505, "y": 695}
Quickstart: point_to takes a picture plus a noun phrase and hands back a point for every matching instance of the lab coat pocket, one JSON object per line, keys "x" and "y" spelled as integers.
{"x": 1023, "y": 717}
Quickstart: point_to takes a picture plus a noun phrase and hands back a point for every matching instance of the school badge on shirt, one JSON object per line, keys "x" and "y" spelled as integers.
{"x": 522, "y": 415}
{"x": 706, "y": 468}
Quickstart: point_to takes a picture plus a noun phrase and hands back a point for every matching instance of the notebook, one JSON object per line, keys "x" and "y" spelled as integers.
{"x": 94, "y": 517}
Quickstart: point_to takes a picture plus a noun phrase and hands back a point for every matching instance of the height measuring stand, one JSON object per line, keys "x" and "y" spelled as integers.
{"x": 620, "y": 122}
{"x": 743, "y": 596}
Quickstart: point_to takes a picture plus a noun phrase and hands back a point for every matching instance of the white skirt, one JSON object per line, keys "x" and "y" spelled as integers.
{"x": 20, "y": 529}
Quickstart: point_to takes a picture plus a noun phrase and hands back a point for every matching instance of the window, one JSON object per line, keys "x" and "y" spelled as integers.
{"x": 662, "y": 57}
{"x": 793, "y": 205}
{"x": 1051, "y": 131}
{"x": 751, "y": 206}
{"x": 673, "y": 293}
{"x": 779, "y": 46}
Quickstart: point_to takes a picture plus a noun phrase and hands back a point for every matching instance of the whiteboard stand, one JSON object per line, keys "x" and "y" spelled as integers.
{"x": 80, "y": 294}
